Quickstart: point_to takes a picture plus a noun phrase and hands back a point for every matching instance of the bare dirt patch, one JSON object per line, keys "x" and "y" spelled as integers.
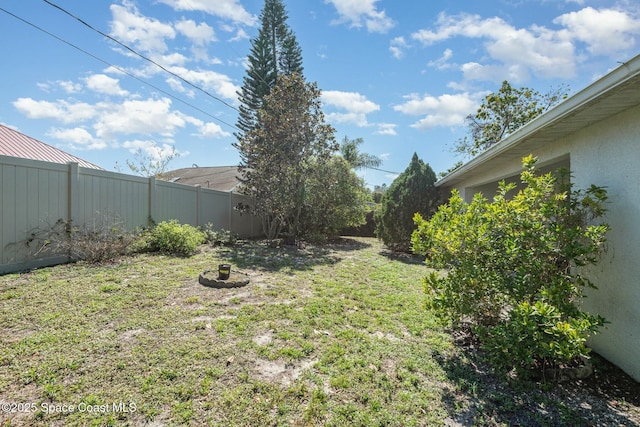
{"x": 264, "y": 339}
{"x": 281, "y": 372}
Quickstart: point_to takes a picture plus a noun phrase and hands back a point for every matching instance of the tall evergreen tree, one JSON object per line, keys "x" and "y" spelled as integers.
{"x": 257, "y": 84}
{"x": 413, "y": 191}
{"x": 275, "y": 51}
{"x": 283, "y": 152}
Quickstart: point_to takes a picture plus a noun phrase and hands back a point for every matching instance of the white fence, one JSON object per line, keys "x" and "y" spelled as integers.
{"x": 35, "y": 195}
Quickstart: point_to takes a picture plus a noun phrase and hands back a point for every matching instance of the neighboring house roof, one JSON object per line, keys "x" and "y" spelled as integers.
{"x": 17, "y": 144}
{"x": 612, "y": 94}
{"x": 223, "y": 178}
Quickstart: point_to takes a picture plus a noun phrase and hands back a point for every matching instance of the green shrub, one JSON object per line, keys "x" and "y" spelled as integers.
{"x": 538, "y": 336}
{"x": 516, "y": 267}
{"x": 220, "y": 237}
{"x": 411, "y": 192}
{"x": 174, "y": 238}
{"x": 335, "y": 198}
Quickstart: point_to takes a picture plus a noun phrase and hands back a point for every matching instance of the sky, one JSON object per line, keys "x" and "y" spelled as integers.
{"x": 401, "y": 75}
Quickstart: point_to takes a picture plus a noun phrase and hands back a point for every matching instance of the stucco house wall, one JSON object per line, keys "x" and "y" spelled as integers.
{"x": 601, "y": 148}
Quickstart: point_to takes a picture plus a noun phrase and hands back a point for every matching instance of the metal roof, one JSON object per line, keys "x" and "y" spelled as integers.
{"x": 223, "y": 178}
{"x": 17, "y": 144}
{"x": 612, "y": 94}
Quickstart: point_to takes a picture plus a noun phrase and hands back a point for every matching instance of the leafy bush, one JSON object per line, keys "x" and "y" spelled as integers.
{"x": 538, "y": 335}
{"x": 411, "y": 192}
{"x": 516, "y": 267}
{"x": 334, "y": 198}
{"x": 220, "y": 237}
{"x": 368, "y": 229}
{"x": 174, "y": 238}
{"x": 103, "y": 239}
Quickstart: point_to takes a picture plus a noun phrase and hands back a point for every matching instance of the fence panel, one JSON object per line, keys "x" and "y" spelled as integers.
{"x": 243, "y": 223}
{"x": 35, "y": 195}
{"x": 175, "y": 201}
{"x": 111, "y": 196}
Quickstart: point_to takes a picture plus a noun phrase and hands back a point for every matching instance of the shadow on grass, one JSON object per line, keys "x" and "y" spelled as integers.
{"x": 260, "y": 256}
{"x": 346, "y": 244}
{"x": 403, "y": 257}
{"x": 484, "y": 398}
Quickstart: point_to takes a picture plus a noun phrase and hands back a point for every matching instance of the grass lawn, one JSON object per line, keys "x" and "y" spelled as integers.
{"x": 333, "y": 335}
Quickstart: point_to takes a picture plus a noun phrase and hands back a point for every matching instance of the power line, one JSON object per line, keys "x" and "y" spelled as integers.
{"x": 382, "y": 170}
{"x": 139, "y": 54}
{"x": 117, "y": 68}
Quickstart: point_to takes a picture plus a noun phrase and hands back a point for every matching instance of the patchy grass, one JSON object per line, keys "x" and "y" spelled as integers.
{"x": 333, "y": 335}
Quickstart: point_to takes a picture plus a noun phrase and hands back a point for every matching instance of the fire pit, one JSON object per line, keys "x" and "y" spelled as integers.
{"x": 224, "y": 277}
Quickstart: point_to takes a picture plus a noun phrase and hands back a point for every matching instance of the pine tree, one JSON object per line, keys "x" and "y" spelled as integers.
{"x": 282, "y": 153}
{"x": 257, "y": 84}
{"x": 412, "y": 191}
{"x": 275, "y": 51}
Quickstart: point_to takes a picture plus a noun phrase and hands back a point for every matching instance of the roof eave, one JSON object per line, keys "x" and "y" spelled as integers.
{"x": 588, "y": 95}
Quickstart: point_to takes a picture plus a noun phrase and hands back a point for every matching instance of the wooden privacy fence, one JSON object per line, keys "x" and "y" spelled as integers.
{"x": 35, "y": 195}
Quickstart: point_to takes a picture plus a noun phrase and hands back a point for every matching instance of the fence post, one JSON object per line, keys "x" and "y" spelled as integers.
{"x": 230, "y": 210}
{"x": 73, "y": 193}
{"x": 198, "y": 204}
{"x": 151, "y": 218}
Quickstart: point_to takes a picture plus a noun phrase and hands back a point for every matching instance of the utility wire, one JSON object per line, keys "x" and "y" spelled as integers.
{"x": 139, "y": 54}
{"x": 146, "y": 59}
{"x": 118, "y": 68}
{"x": 382, "y": 170}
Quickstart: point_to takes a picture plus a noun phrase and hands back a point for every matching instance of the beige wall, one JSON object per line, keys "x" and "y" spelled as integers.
{"x": 34, "y": 195}
{"x": 605, "y": 154}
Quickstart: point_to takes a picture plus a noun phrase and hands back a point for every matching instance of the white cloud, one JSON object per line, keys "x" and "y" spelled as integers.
{"x": 212, "y": 130}
{"x": 172, "y": 59}
{"x": 70, "y": 87}
{"x": 201, "y": 34}
{"x": 515, "y": 73}
{"x": 131, "y": 28}
{"x": 77, "y": 138}
{"x": 152, "y": 150}
{"x": 63, "y": 111}
{"x": 226, "y": 9}
{"x": 605, "y": 31}
{"x": 219, "y": 83}
{"x": 397, "y": 47}
{"x": 240, "y": 35}
{"x": 109, "y": 120}
{"x": 358, "y": 119}
{"x": 145, "y": 117}
{"x": 102, "y": 83}
{"x": 113, "y": 70}
{"x": 357, "y": 107}
{"x": 206, "y": 129}
{"x": 386, "y": 129}
{"x": 445, "y": 110}
{"x": 350, "y": 101}
{"x": 551, "y": 53}
{"x": 176, "y": 85}
{"x": 66, "y": 85}
{"x": 537, "y": 49}
{"x": 442, "y": 63}
{"x": 362, "y": 13}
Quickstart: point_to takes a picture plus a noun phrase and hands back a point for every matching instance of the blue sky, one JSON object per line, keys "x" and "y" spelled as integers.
{"x": 401, "y": 75}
